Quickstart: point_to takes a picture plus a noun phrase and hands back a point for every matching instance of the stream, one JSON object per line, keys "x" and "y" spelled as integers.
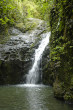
{"x": 30, "y": 97}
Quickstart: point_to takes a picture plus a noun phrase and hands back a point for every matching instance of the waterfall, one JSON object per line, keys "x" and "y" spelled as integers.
{"x": 33, "y": 74}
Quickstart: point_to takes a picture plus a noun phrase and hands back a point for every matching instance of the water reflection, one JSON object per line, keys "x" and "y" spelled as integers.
{"x": 35, "y": 99}
{"x": 30, "y": 97}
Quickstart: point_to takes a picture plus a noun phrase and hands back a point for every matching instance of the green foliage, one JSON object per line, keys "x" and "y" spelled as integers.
{"x": 61, "y": 44}
{"x": 38, "y": 8}
{"x": 31, "y": 8}
{"x": 10, "y": 12}
{"x": 43, "y": 7}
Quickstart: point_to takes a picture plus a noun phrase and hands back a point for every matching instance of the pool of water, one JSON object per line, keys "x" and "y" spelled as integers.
{"x": 30, "y": 97}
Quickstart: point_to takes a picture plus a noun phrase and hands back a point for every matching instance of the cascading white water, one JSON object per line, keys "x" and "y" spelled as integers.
{"x": 33, "y": 75}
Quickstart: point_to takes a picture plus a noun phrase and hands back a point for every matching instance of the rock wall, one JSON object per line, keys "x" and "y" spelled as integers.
{"x": 16, "y": 54}
{"x": 15, "y": 59}
{"x": 61, "y": 46}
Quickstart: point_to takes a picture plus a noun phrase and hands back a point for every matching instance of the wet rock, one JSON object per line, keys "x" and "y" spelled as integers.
{"x": 14, "y": 31}
{"x": 47, "y": 77}
{"x": 16, "y": 54}
{"x": 11, "y": 71}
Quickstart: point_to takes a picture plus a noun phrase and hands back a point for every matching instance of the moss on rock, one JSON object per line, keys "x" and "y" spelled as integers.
{"x": 61, "y": 45}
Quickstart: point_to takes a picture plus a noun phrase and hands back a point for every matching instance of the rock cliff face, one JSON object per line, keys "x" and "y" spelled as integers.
{"x": 16, "y": 54}
{"x": 61, "y": 45}
{"x": 15, "y": 58}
